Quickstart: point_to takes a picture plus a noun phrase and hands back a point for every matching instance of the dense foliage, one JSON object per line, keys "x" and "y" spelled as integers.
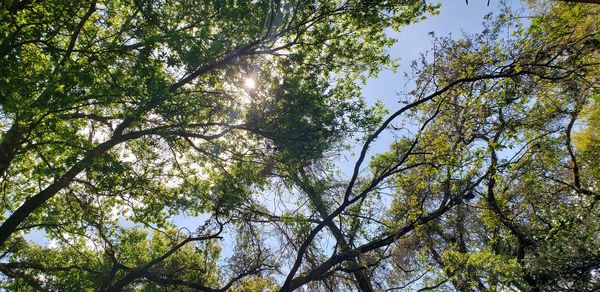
{"x": 120, "y": 117}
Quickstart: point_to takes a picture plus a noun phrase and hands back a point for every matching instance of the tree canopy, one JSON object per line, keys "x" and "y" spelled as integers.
{"x": 118, "y": 117}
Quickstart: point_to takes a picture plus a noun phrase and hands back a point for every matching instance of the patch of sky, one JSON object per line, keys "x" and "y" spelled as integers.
{"x": 455, "y": 18}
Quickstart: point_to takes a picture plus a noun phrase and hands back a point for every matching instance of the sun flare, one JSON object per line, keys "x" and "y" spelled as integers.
{"x": 249, "y": 83}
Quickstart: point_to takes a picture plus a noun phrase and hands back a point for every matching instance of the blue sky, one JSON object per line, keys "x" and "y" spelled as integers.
{"x": 455, "y": 17}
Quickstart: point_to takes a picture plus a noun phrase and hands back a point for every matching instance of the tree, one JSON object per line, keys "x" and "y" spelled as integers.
{"x": 527, "y": 217}
{"x": 134, "y": 111}
{"x": 489, "y": 193}
{"x": 118, "y": 113}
